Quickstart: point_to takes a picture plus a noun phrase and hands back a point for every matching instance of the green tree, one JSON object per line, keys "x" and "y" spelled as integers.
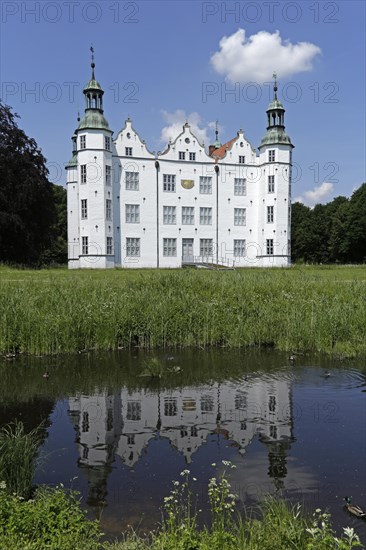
{"x": 56, "y": 253}
{"x": 27, "y": 210}
{"x": 356, "y": 226}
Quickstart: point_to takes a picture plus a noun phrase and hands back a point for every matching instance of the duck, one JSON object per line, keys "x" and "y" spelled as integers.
{"x": 292, "y": 358}
{"x": 46, "y": 374}
{"x": 353, "y": 508}
{"x": 327, "y": 374}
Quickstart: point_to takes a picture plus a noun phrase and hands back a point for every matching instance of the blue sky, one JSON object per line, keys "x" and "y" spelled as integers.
{"x": 162, "y": 62}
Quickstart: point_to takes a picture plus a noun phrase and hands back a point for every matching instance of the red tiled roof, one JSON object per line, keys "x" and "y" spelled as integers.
{"x": 221, "y": 151}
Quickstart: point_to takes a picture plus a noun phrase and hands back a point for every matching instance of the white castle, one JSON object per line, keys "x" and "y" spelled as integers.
{"x": 128, "y": 207}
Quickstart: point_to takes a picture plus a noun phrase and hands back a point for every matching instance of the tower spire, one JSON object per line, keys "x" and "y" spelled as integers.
{"x": 275, "y": 85}
{"x": 92, "y": 61}
{"x": 217, "y": 130}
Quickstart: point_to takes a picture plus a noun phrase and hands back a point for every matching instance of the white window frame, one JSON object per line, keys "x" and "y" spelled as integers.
{"x": 83, "y": 173}
{"x": 240, "y": 186}
{"x": 205, "y": 185}
{"x": 240, "y": 216}
{"x": 169, "y": 183}
{"x": 205, "y": 215}
{"x": 272, "y": 155}
{"x": 132, "y": 213}
{"x": 239, "y": 248}
{"x": 128, "y": 152}
{"x": 133, "y": 247}
{"x": 271, "y": 184}
{"x": 241, "y": 159}
{"x": 107, "y": 143}
{"x": 170, "y": 247}
{"x": 108, "y": 209}
{"x": 169, "y": 215}
{"x": 269, "y": 247}
{"x": 270, "y": 214}
{"x": 187, "y": 215}
{"x": 108, "y": 174}
{"x": 84, "y": 209}
{"x": 84, "y": 246}
{"x": 181, "y": 155}
{"x": 132, "y": 181}
{"x": 109, "y": 248}
{"x": 82, "y": 142}
{"x": 192, "y": 156}
{"x": 206, "y": 247}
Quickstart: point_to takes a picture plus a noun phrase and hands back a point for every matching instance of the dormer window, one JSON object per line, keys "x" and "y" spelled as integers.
{"x": 128, "y": 151}
{"x": 182, "y": 155}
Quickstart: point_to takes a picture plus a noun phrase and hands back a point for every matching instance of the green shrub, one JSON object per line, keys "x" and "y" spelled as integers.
{"x": 52, "y": 520}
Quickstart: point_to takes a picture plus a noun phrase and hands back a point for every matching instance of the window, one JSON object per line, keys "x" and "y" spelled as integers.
{"x": 132, "y": 213}
{"x": 269, "y": 247}
{"x": 169, "y": 215}
{"x": 132, "y": 181}
{"x": 187, "y": 215}
{"x": 205, "y": 185}
{"x": 83, "y": 173}
{"x": 85, "y": 422}
{"x": 239, "y": 216}
{"x": 84, "y": 209}
{"x": 271, "y": 155}
{"x": 239, "y": 248}
{"x": 182, "y": 155}
{"x": 128, "y": 151}
{"x": 170, "y": 406}
{"x": 270, "y": 214}
{"x": 108, "y": 209}
{"x": 108, "y": 175}
{"x": 192, "y": 156}
{"x": 241, "y": 159}
{"x": 169, "y": 247}
{"x": 82, "y": 142}
{"x": 107, "y": 143}
{"x": 205, "y": 216}
{"x": 133, "y": 410}
{"x": 84, "y": 245}
{"x": 240, "y": 186}
{"x": 109, "y": 245}
{"x": 271, "y": 184}
{"x": 132, "y": 246}
{"x": 206, "y": 247}
{"x": 169, "y": 183}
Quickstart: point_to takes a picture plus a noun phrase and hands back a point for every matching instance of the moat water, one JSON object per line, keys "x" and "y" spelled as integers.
{"x": 292, "y": 428}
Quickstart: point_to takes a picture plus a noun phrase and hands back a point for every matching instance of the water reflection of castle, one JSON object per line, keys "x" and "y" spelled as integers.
{"x": 122, "y": 423}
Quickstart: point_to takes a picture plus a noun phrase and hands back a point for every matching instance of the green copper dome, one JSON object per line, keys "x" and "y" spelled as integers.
{"x": 276, "y": 135}
{"x": 93, "y": 119}
{"x": 73, "y": 161}
{"x": 93, "y": 85}
{"x": 275, "y": 104}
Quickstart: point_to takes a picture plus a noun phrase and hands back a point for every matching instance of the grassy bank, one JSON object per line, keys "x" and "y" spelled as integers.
{"x": 53, "y": 519}
{"x": 303, "y": 308}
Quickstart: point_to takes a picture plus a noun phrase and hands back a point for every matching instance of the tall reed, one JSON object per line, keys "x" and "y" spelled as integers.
{"x": 55, "y": 311}
{"x": 18, "y": 454}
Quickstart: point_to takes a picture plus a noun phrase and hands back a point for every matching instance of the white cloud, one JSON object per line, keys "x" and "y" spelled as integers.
{"x": 175, "y": 121}
{"x": 316, "y": 195}
{"x": 254, "y": 59}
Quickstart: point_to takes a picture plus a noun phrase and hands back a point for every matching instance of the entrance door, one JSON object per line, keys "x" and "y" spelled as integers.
{"x": 187, "y": 249}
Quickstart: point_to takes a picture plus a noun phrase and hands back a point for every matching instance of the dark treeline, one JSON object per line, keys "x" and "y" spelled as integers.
{"x": 32, "y": 210}
{"x": 330, "y": 233}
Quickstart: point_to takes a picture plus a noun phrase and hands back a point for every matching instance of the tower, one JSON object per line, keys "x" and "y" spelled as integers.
{"x": 274, "y": 201}
{"x": 90, "y": 185}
